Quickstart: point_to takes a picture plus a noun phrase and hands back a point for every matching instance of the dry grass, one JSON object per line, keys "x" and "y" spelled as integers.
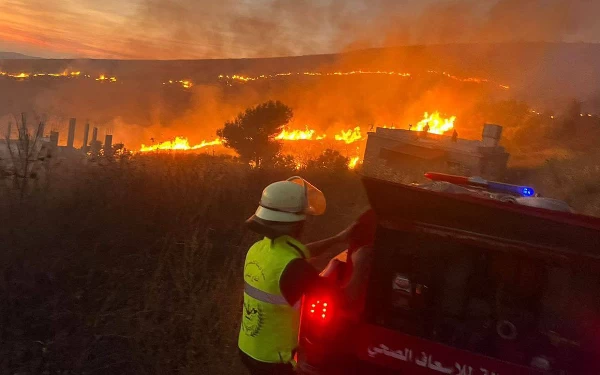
{"x": 134, "y": 267}
{"x": 574, "y": 180}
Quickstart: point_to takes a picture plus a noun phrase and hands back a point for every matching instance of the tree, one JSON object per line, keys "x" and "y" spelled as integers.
{"x": 331, "y": 160}
{"x": 252, "y": 132}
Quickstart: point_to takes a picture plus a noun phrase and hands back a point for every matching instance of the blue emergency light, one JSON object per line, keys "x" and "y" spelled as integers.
{"x": 524, "y": 191}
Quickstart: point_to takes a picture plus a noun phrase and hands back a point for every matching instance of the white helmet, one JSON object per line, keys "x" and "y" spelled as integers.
{"x": 290, "y": 201}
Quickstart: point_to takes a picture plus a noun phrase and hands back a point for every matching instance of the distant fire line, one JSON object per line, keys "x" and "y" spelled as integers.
{"x": 187, "y": 83}
{"x": 245, "y": 79}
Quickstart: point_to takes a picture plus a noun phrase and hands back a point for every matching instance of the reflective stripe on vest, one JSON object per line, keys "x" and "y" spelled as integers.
{"x": 273, "y": 299}
{"x": 264, "y": 296}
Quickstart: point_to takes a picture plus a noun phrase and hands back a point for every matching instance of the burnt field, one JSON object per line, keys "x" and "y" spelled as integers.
{"x": 134, "y": 266}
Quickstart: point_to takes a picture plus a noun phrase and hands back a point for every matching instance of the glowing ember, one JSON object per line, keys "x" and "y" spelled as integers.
{"x": 353, "y": 162}
{"x": 437, "y": 124}
{"x": 179, "y": 144}
{"x": 295, "y": 135}
{"x": 349, "y": 136}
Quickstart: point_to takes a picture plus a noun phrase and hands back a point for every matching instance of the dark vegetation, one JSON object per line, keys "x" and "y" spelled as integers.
{"x": 251, "y": 133}
{"x": 133, "y": 266}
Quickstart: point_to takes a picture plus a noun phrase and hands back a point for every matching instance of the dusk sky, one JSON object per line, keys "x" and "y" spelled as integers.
{"x": 175, "y": 29}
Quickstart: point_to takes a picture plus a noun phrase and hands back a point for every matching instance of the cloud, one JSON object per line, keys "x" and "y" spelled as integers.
{"x": 175, "y": 29}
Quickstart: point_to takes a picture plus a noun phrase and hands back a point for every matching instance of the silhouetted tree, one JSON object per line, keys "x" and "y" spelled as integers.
{"x": 286, "y": 162}
{"x": 329, "y": 159}
{"x": 252, "y": 133}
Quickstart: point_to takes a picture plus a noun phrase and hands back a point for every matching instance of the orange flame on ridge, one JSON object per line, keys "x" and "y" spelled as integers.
{"x": 436, "y": 124}
{"x": 296, "y": 135}
{"x": 179, "y": 144}
{"x": 349, "y": 136}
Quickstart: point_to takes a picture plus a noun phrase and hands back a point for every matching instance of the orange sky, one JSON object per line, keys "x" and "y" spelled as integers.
{"x": 175, "y": 29}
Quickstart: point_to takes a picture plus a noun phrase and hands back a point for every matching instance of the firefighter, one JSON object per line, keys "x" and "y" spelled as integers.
{"x": 455, "y": 136}
{"x": 277, "y": 274}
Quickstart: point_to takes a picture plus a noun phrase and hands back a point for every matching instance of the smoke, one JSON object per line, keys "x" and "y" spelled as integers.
{"x": 190, "y": 28}
{"x": 176, "y": 29}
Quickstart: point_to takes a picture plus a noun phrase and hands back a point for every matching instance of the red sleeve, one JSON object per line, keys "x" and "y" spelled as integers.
{"x": 297, "y": 278}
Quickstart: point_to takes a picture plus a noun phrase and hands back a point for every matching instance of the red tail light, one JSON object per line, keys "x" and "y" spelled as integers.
{"x": 317, "y": 318}
{"x": 319, "y": 309}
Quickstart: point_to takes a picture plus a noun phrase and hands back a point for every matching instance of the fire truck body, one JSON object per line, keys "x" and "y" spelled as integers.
{"x": 463, "y": 284}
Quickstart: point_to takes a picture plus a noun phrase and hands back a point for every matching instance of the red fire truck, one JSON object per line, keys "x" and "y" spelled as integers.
{"x": 467, "y": 277}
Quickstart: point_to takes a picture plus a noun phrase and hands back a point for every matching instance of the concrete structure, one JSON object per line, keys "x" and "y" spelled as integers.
{"x": 395, "y": 153}
{"x": 54, "y": 138}
{"x": 86, "y": 133}
{"x": 108, "y": 144}
{"x": 71, "y": 136}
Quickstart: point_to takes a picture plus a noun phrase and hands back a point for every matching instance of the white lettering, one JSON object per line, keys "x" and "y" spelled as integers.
{"x": 464, "y": 369}
{"x": 426, "y": 360}
{"x": 423, "y": 361}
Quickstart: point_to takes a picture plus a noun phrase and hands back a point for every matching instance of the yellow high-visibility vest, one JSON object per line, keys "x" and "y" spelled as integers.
{"x": 269, "y": 328}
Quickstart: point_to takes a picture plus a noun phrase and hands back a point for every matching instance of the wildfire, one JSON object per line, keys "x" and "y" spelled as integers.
{"x": 353, "y": 162}
{"x": 16, "y": 76}
{"x": 23, "y": 75}
{"x": 437, "y": 124}
{"x": 295, "y": 135}
{"x": 179, "y": 144}
{"x": 242, "y": 78}
{"x": 63, "y": 74}
{"x": 349, "y": 136}
{"x": 245, "y": 79}
{"x": 468, "y": 79}
{"x": 186, "y": 84}
{"x": 104, "y": 78}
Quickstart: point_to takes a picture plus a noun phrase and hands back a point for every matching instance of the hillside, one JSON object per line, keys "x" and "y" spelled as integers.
{"x": 140, "y": 100}
{"x": 547, "y": 69}
{"x": 14, "y": 55}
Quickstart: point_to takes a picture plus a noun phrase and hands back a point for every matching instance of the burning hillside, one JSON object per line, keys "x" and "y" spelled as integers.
{"x": 245, "y": 79}
{"x": 239, "y": 78}
{"x": 305, "y": 144}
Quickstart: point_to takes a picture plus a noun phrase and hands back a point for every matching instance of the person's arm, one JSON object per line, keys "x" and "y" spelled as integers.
{"x": 298, "y": 278}
{"x": 319, "y": 247}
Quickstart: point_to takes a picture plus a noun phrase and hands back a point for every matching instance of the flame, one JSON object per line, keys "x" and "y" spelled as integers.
{"x": 349, "y": 136}
{"x": 17, "y": 75}
{"x": 437, "y": 124}
{"x": 104, "y": 78}
{"x": 186, "y": 84}
{"x": 245, "y": 79}
{"x": 295, "y": 135}
{"x": 468, "y": 79}
{"x": 179, "y": 144}
{"x": 242, "y": 78}
{"x": 353, "y": 162}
